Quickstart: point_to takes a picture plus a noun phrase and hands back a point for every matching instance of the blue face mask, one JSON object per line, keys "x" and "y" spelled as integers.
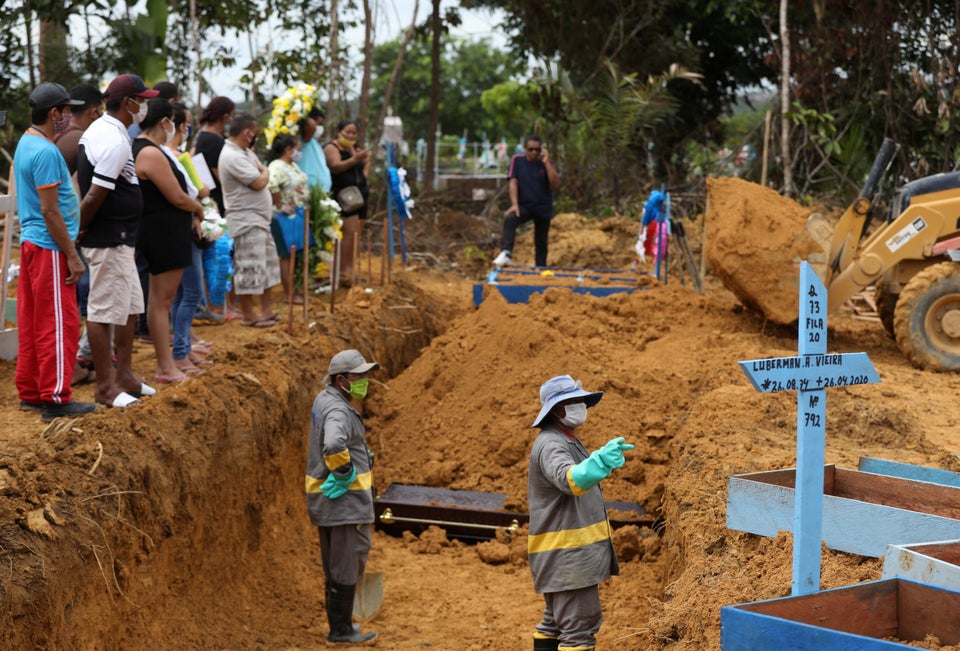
{"x": 189, "y": 131}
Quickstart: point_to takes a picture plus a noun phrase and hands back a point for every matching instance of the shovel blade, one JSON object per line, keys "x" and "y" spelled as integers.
{"x": 369, "y": 596}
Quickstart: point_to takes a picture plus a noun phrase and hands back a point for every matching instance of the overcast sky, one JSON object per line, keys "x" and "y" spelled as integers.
{"x": 391, "y": 19}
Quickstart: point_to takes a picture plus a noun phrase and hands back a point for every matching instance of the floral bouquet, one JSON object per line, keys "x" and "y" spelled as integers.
{"x": 288, "y": 110}
{"x": 327, "y": 223}
{"x": 213, "y": 225}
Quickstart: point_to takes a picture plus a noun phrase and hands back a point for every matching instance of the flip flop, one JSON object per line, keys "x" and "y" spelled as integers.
{"x": 123, "y": 399}
{"x": 145, "y": 390}
{"x": 169, "y": 380}
{"x": 259, "y": 323}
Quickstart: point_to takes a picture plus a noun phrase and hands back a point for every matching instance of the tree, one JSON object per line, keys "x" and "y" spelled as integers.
{"x": 727, "y": 41}
{"x": 467, "y": 70}
{"x": 433, "y": 124}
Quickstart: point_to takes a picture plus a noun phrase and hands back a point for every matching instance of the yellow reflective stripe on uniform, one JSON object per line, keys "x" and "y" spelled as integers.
{"x": 568, "y": 538}
{"x": 537, "y": 635}
{"x": 361, "y": 483}
{"x": 576, "y": 648}
{"x": 577, "y": 491}
{"x": 334, "y": 461}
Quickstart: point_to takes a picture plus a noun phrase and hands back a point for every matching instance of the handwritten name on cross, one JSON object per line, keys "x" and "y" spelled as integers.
{"x": 809, "y": 374}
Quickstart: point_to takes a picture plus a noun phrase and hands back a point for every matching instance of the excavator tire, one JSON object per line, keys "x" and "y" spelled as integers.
{"x": 886, "y": 303}
{"x": 927, "y": 318}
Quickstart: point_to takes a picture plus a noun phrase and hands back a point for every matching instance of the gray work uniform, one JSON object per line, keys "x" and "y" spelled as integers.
{"x": 336, "y": 441}
{"x": 569, "y": 546}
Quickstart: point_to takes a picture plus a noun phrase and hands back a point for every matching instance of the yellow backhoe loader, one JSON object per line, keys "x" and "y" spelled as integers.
{"x": 913, "y": 259}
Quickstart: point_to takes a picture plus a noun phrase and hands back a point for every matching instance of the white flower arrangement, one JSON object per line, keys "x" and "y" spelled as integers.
{"x": 213, "y": 225}
{"x": 327, "y": 225}
{"x": 288, "y": 109}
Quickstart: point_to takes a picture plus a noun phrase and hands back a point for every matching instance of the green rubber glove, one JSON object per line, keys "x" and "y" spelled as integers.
{"x": 598, "y": 466}
{"x": 612, "y": 453}
{"x": 335, "y": 485}
{"x": 589, "y": 472}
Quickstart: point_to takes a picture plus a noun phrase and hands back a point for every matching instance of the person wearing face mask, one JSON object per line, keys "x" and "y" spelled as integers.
{"x": 313, "y": 161}
{"x": 91, "y": 108}
{"x": 569, "y": 545}
{"x": 249, "y": 211}
{"x": 350, "y": 166}
{"x": 170, "y": 216}
{"x": 50, "y": 266}
{"x": 290, "y": 189}
{"x": 68, "y": 142}
{"x": 110, "y": 213}
{"x": 339, "y": 485}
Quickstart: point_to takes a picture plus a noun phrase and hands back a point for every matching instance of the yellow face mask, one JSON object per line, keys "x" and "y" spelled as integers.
{"x": 347, "y": 142}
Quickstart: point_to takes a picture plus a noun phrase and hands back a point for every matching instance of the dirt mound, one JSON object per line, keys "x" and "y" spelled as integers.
{"x": 755, "y": 243}
{"x": 118, "y": 529}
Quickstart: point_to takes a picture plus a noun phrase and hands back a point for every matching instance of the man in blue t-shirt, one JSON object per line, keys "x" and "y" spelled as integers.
{"x": 532, "y": 181}
{"x": 48, "y": 320}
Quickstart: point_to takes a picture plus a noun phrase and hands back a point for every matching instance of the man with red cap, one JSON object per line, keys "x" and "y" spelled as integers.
{"x": 110, "y": 213}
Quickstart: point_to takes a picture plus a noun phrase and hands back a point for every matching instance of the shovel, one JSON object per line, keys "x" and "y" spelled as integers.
{"x": 368, "y": 597}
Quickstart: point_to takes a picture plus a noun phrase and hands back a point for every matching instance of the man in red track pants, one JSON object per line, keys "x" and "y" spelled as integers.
{"x": 48, "y": 319}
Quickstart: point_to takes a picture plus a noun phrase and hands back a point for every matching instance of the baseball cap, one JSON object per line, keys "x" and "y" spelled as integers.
{"x": 349, "y": 361}
{"x": 128, "y": 86}
{"x": 48, "y": 95}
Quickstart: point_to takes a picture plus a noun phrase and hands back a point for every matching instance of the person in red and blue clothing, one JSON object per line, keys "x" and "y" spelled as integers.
{"x": 48, "y": 319}
{"x": 533, "y": 178}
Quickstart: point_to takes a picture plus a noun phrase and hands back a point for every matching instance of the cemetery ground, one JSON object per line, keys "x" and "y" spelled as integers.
{"x": 181, "y": 524}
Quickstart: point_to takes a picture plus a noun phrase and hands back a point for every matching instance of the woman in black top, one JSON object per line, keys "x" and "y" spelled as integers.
{"x": 169, "y": 217}
{"x": 349, "y": 165}
{"x": 214, "y": 123}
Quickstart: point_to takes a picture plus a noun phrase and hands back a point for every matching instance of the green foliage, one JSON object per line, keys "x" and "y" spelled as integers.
{"x": 612, "y": 124}
{"x": 467, "y": 69}
{"x": 510, "y": 105}
{"x": 820, "y": 127}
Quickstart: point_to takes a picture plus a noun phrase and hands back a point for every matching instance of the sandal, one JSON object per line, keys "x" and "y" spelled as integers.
{"x": 123, "y": 399}
{"x": 200, "y": 362}
{"x": 162, "y": 379}
{"x": 259, "y": 323}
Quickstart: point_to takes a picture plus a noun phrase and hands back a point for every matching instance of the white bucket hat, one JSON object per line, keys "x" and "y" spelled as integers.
{"x": 349, "y": 361}
{"x": 561, "y": 389}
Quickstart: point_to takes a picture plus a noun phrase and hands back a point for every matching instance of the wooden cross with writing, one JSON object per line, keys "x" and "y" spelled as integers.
{"x": 809, "y": 374}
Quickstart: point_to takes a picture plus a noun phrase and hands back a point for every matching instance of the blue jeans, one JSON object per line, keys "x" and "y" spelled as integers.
{"x": 185, "y": 304}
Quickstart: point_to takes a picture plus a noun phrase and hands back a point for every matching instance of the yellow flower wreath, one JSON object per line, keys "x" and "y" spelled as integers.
{"x": 288, "y": 110}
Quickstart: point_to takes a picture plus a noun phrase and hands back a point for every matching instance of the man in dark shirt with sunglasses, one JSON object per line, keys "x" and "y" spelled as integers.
{"x": 532, "y": 181}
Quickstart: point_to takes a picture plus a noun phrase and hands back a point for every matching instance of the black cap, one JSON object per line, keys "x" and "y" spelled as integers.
{"x": 49, "y": 95}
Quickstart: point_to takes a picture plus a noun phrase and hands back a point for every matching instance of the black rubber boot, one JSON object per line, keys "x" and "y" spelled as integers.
{"x": 340, "y": 614}
{"x": 545, "y": 644}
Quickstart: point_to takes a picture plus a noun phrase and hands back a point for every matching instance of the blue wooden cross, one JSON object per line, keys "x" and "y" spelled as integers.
{"x": 809, "y": 374}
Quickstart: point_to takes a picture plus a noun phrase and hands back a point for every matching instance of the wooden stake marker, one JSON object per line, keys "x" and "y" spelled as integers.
{"x": 810, "y": 374}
